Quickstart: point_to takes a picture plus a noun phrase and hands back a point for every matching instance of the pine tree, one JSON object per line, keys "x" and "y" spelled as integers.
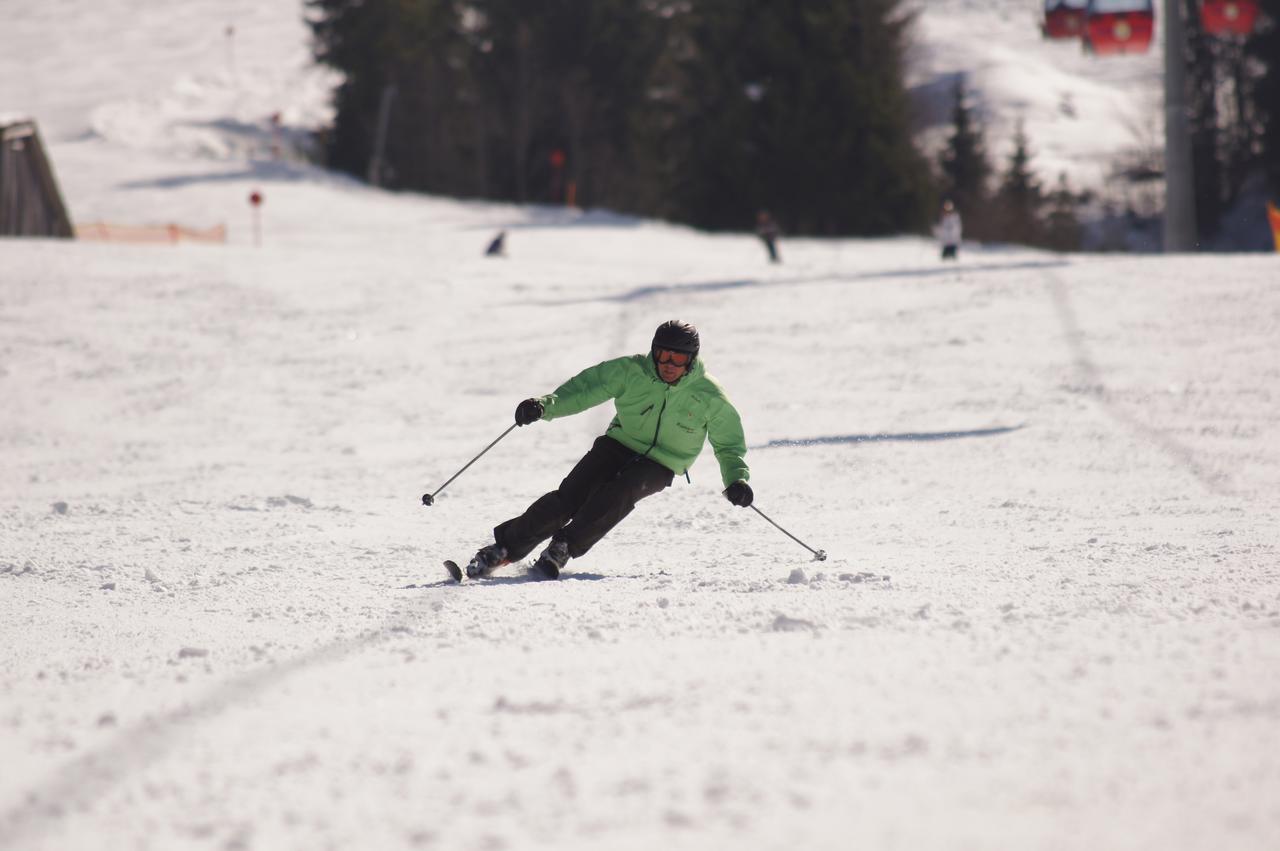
{"x": 965, "y": 167}
{"x": 798, "y": 108}
{"x": 1263, "y": 87}
{"x": 599, "y": 57}
{"x": 702, "y": 110}
{"x": 1062, "y": 231}
{"x": 407, "y": 50}
{"x": 1019, "y": 199}
{"x": 1234, "y": 90}
{"x": 695, "y": 132}
{"x": 513, "y": 99}
{"x": 1202, "y": 56}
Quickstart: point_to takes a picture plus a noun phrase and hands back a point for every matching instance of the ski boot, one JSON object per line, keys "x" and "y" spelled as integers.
{"x": 553, "y": 558}
{"x": 486, "y": 561}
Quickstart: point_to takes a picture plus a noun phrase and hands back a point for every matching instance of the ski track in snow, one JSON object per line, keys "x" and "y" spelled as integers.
{"x": 1047, "y": 485}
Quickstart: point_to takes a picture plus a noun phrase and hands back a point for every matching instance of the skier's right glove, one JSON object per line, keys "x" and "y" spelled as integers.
{"x": 739, "y": 493}
{"x": 528, "y": 411}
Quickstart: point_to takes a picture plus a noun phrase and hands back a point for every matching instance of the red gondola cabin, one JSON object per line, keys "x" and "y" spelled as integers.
{"x": 1118, "y": 26}
{"x": 1228, "y": 17}
{"x": 1063, "y": 18}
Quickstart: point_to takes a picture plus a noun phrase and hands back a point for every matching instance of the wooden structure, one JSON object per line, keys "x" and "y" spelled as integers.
{"x": 30, "y": 203}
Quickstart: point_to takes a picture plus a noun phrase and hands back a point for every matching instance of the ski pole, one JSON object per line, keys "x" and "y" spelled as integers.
{"x": 818, "y": 555}
{"x": 430, "y": 498}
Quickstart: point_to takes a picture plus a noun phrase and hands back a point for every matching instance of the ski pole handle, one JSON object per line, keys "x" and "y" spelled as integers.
{"x": 818, "y": 555}
{"x": 429, "y": 499}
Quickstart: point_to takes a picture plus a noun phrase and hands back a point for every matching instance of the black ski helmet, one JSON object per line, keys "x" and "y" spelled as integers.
{"x": 676, "y": 336}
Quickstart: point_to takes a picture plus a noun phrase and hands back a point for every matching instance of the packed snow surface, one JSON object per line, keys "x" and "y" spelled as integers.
{"x": 1048, "y": 486}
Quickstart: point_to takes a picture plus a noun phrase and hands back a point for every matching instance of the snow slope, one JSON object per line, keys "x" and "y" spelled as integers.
{"x": 1048, "y": 487}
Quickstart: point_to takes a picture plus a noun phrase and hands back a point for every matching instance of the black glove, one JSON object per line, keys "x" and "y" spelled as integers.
{"x": 739, "y": 493}
{"x": 528, "y": 411}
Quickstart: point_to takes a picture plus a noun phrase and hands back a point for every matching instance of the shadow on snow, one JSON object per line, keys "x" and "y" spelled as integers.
{"x": 910, "y": 437}
{"x": 516, "y": 579}
{"x": 650, "y": 290}
{"x": 267, "y": 171}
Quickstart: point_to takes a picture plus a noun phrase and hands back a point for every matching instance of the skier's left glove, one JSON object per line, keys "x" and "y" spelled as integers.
{"x": 528, "y": 411}
{"x": 739, "y": 493}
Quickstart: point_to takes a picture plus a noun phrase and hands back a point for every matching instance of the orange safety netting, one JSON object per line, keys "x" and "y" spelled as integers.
{"x": 171, "y": 233}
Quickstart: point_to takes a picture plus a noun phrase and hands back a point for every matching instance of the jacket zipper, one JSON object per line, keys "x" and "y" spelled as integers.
{"x": 658, "y": 426}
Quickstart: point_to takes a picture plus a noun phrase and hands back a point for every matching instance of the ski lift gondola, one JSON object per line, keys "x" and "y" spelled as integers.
{"x": 1063, "y": 18}
{"x": 1228, "y": 17}
{"x": 1119, "y": 26}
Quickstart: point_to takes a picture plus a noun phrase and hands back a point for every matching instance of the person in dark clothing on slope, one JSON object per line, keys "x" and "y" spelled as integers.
{"x": 767, "y": 230}
{"x": 498, "y": 246}
{"x": 667, "y": 407}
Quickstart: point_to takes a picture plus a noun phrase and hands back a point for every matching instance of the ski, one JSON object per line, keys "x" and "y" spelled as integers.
{"x": 456, "y": 572}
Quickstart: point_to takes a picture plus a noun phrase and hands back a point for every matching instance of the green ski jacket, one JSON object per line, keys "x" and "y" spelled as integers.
{"x": 667, "y": 422}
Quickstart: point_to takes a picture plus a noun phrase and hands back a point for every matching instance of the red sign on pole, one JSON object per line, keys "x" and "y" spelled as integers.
{"x": 255, "y": 200}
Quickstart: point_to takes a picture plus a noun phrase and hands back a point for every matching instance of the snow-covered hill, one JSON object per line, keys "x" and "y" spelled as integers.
{"x": 1048, "y": 487}
{"x": 1080, "y": 112}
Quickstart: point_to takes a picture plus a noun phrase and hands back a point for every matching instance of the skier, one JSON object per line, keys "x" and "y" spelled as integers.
{"x": 948, "y": 231}
{"x": 498, "y": 246}
{"x": 767, "y": 230}
{"x": 666, "y": 407}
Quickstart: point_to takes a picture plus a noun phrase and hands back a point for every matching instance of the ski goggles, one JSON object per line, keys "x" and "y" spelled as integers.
{"x": 671, "y": 357}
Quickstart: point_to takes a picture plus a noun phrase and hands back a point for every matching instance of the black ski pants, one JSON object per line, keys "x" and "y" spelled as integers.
{"x": 599, "y": 491}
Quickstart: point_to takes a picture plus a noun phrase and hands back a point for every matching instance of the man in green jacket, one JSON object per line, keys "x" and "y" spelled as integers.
{"x": 667, "y": 407}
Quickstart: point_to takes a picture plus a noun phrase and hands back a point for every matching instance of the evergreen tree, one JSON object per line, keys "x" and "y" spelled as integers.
{"x": 599, "y": 55}
{"x": 965, "y": 167}
{"x": 696, "y": 135}
{"x": 486, "y": 91}
{"x": 1062, "y": 231}
{"x": 1205, "y": 122}
{"x": 1234, "y": 98}
{"x": 700, "y": 110}
{"x": 1263, "y": 94}
{"x": 406, "y": 52}
{"x": 1018, "y": 201}
{"x": 798, "y": 108}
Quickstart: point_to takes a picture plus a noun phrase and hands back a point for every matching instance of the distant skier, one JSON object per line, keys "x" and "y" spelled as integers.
{"x": 767, "y": 230}
{"x": 497, "y": 247}
{"x": 666, "y": 406}
{"x": 949, "y": 231}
